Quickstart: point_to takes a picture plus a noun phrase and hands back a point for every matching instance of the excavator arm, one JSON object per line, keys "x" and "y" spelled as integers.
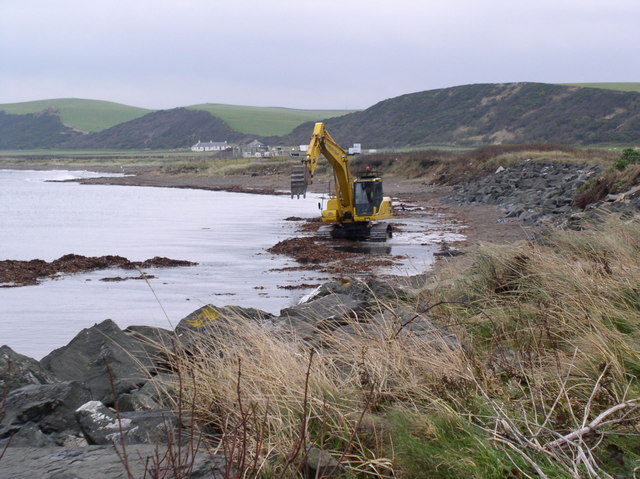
{"x": 357, "y": 203}
{"x": 323, "y": 144}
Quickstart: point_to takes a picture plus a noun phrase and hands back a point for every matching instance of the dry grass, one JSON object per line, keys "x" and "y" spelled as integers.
{"x": 563, "y": 345}
{"x": 542, "y": 380}
{"x": 327, "y": 389}
{"x": 611, "y": 182}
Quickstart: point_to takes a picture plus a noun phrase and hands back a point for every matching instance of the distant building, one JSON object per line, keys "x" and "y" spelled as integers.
{"x": 255, "y": 144}
{"x": 356, "y": 149}
{"x": 210, "y": 146}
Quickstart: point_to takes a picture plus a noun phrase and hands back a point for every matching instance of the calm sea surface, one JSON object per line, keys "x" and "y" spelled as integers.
{"x": 225, "y": 233}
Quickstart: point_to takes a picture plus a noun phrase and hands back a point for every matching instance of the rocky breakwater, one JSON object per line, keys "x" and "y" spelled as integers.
{"x": 532, "y": 191}
{"x": 110, "y": 391}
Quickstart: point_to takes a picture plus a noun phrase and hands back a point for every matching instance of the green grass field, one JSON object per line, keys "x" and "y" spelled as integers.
{"x": 85, "y": 115}
{"x": 265, "y": 121}
{"x": 97, "y": 115}
{"x": 628, "y": 86}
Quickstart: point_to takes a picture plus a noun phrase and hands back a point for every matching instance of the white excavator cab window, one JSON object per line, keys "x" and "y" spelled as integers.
{"x": 367, "y": 195}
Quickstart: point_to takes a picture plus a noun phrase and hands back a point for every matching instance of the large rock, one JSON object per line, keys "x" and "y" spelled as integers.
{"x": 396, "y": 322}
{"x": 369, "y": 291}
{"x": 17, "y": 370}
{"x": 104, "y": 358}
{"x": 319, "y": 463}
{"x": 320, "y": 315}
{"x": 50, "y": 407}
{"x": 161, "y": 389}
{"x": 104, "y": 462}
{"x": 100, "y": 425}
{"x": 196, "y": 329}
{"x": 155, "y": 343}
{"x": 414, "y": 323}
{"x": 136, "y": 402}
{"x": 27, "y": 435}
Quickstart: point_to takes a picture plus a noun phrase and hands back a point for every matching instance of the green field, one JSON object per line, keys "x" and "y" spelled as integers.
{"x": 265, "y": 121}
{"x": 628, "y": 86}
{"x": 85, "y": 115}
{"x": 97, "y": 115}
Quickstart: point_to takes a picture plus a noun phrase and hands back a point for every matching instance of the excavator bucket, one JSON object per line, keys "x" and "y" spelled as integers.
{"x": 299, "y": 181}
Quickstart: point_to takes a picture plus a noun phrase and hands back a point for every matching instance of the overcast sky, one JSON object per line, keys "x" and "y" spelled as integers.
{"x": 305, "y": 54}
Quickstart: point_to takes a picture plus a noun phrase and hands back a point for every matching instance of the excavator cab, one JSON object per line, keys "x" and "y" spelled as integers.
{"x": 367, "y": 193}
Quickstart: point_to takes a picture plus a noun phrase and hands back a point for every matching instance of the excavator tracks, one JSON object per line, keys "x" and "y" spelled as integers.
{"x": 380, "y": 232}
{"x": 377, "y": 232}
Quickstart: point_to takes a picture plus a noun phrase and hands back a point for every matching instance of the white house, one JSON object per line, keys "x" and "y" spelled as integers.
{"x": 210, "y": 146}
{"x": 356, "y": 149}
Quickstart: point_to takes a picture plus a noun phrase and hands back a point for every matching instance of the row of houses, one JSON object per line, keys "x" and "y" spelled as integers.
{"x": 210, "y": 146}
{"x": 258, "y": 150}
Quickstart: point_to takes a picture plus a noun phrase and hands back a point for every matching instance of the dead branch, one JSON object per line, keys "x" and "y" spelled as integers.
{"x": 593, "y": 425}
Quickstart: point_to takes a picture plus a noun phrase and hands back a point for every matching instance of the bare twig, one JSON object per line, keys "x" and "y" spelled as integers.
{"x": 593, "y": 425}
{"x": 522, "y": 454}
{"x": 303, "y": 422}
{"x": 596, "y": 388}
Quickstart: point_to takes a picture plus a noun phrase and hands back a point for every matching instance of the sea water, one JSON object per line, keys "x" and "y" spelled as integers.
{"x": 226, "y": 233}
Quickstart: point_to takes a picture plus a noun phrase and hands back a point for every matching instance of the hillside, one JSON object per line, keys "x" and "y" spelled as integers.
{"x": 41, "y": 130}
{"x": 163, "y": 129}
{"x": 463, "y": 115}
{"x": 490, "y": 114}
{"x": 96, "y": 115}
{"x": 265, "y": 121}
{"x": 83, "y": 115}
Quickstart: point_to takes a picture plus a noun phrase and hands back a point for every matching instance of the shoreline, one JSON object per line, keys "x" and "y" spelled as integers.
{"x": 480, "y": 223}
{"x": 484, "y": 223}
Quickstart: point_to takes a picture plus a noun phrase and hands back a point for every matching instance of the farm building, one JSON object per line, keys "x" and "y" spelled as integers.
{"x": 255, "y": 144}
{"x": 210, "y": 146}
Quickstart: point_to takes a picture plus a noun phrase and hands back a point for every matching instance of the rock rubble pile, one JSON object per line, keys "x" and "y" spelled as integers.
{"x": 111, "y": 386}
{"x": 532, "y": 191}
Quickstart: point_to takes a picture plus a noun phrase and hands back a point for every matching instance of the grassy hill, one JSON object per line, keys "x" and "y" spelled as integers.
{"x": 622, "y": 86}
{"x": 84, "y": 115}
{"x": 465, "y": 115}
{"x": 491, "y": 114}
{"x": 265, "y": 121}
{"x": 97, "y": 115}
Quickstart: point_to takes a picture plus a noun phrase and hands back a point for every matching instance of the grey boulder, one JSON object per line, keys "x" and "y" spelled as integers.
{"x": 105, "y": 358}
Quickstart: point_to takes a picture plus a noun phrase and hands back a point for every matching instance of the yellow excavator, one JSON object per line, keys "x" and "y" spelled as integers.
{"x": 357, "y": 205}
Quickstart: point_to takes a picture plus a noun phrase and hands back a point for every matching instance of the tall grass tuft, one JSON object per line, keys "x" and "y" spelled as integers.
{"x": 541, "y": 380}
